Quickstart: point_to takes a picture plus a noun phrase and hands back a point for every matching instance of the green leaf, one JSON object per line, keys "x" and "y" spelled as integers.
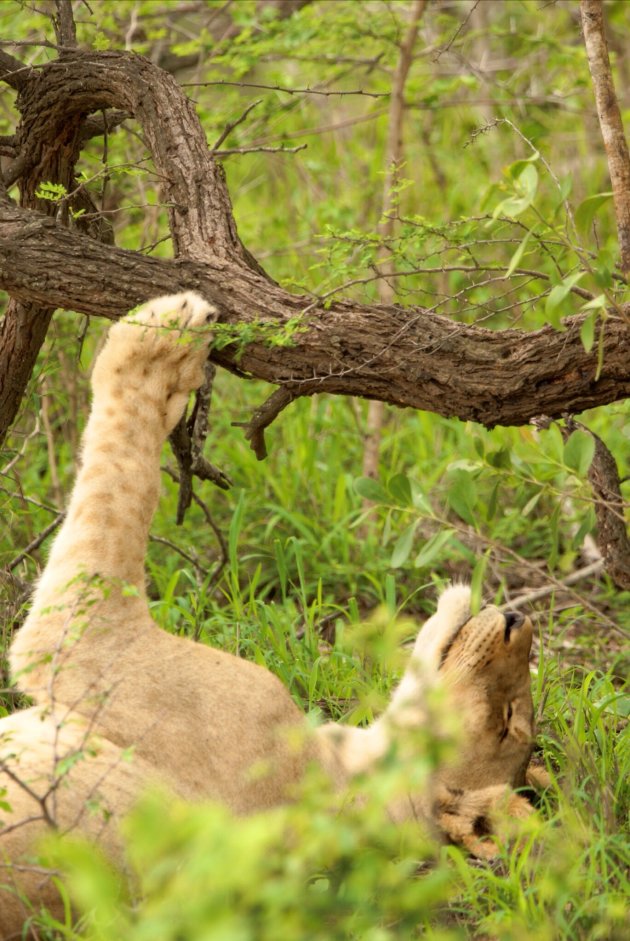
{"x": 603, "y": 268}
{"x": 400, "y": 489}
{"x": 557, "y": 295}
{"x": 531, "y": 503}
{"x": 371, "y": 489}
{"x": 525, "y": 177}
{"x": 462, "y": 495}
{"x": 511, "y": 207}
{"x": 516, "y": 169}
{"x": 433, "y": 547}
{"x": 527, "y": 182}
{"x": 554, "y": 443}
{"x": 419, "y": 499}
{"x": 566, "y": 185}
{"x": 501, "y": 458}
{"x": 516, "y": 257}
{"x": 578, "y": 451}
{"x": 53, "y": 192}
{"x": 586, "y": 211}
{"x": 402, "y": 549}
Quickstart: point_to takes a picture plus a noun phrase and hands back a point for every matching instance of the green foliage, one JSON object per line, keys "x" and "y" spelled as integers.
{"x": 269, "y": 333}
{"x": 300, "y": 872}
{"x": 318, "y": 869}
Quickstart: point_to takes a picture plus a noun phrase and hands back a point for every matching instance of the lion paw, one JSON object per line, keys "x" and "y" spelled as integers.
{"x": 175, "y": 312}
{"x": 156, "y": 354}
{"x": 453, "y": 610}
{"x": 472, "y": 818}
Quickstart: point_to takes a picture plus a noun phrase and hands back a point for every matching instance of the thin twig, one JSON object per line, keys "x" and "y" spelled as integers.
{"x": 461, "y": 26}
{"x": 14, "y": 72}
{"x": 36, "y": 543}
{"x": 289, "y": 91}
{"x": 178, "y": 549}
{"x": 230, "y": 127}
{"x": 259, "y": 150}
{"x": 443, "y": 269}
{"x": 593, "y": 569}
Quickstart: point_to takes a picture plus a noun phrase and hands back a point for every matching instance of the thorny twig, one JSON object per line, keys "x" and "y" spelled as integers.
{"x": 36, "y": 542}
{"x": 259, "y": 150}
{"x": 222, "y": 561}
{"x": 230, "y": 127}
{"x": 288, "y": 91}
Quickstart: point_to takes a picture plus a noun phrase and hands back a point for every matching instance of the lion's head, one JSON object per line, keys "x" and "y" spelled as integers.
{"x": 486, "y": 666}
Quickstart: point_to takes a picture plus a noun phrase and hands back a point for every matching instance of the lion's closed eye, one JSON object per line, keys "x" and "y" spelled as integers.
{"x": 509, "y": 712}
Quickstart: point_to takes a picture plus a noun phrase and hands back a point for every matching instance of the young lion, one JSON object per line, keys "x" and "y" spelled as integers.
{"x": 106, "y": 680}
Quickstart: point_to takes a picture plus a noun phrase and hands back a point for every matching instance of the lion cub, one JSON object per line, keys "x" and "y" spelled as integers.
{"x": 120, "y": 704}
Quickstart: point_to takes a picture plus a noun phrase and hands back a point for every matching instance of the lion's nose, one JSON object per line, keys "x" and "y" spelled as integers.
{"x": 512, "y": 620}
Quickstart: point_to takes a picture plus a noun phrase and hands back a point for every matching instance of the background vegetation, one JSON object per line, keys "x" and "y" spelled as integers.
{"x": 501, "y": 148}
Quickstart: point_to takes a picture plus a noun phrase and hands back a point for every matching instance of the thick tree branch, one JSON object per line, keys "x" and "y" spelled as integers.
{"x": 14, "y": 72}
{"x": 63, "y": 24}
{"x": 609, "y": 120}
{"x": 24, "y": 325}
{"x": 200, "y": 216}
{"x": 407, "y": 357}
{"x": 402, "y": 356}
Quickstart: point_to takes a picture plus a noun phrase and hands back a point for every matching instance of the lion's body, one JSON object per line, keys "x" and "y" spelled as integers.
{"x": 121, "y": 704}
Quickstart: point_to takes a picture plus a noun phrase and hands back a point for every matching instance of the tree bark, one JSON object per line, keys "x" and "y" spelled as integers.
{"x": 403, "y": 356}
{"x": 407, "y": 357}
{"x": 53, "y": 153}
{"x": 609, "y": 120}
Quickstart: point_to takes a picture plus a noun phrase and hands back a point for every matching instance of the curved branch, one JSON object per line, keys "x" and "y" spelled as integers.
{"x": 407, "y": 357}
{"x": 14, "y": 72}
{"x": 200, "y": 213}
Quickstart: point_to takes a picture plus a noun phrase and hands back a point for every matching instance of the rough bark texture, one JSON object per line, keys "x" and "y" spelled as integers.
{"x": 609, "y": 120}
{"x": 50, "y": 150}
{"x": 612, "y": 534}
{"x": 403, "y": 356}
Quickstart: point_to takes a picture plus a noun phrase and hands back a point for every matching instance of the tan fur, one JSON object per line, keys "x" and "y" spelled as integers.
{"x": 121, "y": 704}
